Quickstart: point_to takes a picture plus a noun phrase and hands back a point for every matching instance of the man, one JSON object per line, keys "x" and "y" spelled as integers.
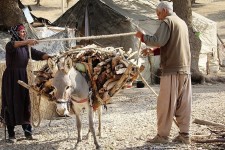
{"x": 15, "y": 98}
{"x": 175, "y": 96}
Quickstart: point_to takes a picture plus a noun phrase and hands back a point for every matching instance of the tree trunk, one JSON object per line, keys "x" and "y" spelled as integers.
{"x": 38, "y": 3}
{"x": 10, "y": 13}
{"x": 183, "y": 10}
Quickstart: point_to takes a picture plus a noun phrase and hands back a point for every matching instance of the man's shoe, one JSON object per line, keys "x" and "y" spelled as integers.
{"x": 159, "y": 139}
{"x": 182, "y": 138}
{"x": 12, "y": 140}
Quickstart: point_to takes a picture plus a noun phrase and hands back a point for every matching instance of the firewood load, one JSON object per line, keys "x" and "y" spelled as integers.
{"x": 107, "y": 70}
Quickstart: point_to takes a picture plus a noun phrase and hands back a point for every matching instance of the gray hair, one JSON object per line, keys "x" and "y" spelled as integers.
{"x": 165, "y": 5}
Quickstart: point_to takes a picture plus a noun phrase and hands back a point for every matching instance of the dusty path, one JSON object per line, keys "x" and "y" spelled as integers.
{"x": 129, "y": 121}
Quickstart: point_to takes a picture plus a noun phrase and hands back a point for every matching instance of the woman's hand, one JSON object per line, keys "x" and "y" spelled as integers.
{"x": 32, "y": 42}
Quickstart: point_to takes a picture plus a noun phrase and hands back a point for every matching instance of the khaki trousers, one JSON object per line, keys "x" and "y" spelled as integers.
{"x": 175, "y": 98}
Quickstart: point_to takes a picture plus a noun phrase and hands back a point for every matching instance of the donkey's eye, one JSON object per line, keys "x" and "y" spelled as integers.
{"x": 67, "y": 87}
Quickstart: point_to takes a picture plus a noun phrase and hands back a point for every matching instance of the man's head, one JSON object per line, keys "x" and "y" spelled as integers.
{"x": 164, "y": 9}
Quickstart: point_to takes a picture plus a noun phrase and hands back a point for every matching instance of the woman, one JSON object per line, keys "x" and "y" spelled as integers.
{"x": 15, "y": 98}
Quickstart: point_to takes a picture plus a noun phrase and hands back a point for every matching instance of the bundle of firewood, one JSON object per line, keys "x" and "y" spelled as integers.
{"x": 108, "y": 70}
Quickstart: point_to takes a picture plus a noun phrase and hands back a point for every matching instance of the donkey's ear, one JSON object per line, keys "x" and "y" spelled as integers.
{"x": 52, "y": 65}
{"x": 68, "y": 64}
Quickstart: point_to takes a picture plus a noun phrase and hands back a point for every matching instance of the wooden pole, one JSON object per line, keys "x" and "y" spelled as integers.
{"x": 32, "y": 89}
{"x": 210, "y": 141}
{"x": 90, "y": 37}
{"x": 203, "y": 122}
{"x": 62, "y": 5}
{"x": 146, "y": 83}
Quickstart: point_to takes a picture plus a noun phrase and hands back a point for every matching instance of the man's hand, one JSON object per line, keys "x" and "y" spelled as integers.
{"x": 139, "y": 34}
{"x": 146, "y": 52}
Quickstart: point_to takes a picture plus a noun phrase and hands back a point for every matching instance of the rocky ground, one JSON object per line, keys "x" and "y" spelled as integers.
{"x": 127, "y": 123}
{"x": 131, "y": 118}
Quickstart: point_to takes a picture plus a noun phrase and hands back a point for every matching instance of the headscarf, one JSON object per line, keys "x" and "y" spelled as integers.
{"x": 14, "y": 32}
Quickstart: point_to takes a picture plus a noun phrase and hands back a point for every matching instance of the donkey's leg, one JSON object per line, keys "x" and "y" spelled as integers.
{"x": 78, "y": 123}
{"x": 100, "y": 121}
{"x": 91, "y": 126}
{"x": 99, "y": 113}
{"x": 88, "y": 134}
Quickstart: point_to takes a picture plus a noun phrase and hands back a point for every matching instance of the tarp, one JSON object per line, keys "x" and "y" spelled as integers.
{"x": 53, "y": 47}
{"x": 206, "y": 29}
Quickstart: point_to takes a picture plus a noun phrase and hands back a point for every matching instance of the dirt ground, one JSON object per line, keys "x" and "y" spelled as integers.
{"x": 127, "y": 123}
{"x": 131, "y": 118}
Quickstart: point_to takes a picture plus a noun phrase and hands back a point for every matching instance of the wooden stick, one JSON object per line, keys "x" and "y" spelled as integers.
{"x": 118, "y": 84}
{"x": 90, "y": 37}
{"x": 132, "y": 54}
{"x": 139, "y": 49}
{"x": 221, "y": 40}
{"x": 146, "y": 83}
{"x": 218, "y": 48}
{"x": 89, "y": 69}
{"x": 32, "y": 89}
{"x": 210, "y": 141}
{"x": 203, "y": 122}
{"x": 76, "y": 50}
{"x": 196, "y": 137}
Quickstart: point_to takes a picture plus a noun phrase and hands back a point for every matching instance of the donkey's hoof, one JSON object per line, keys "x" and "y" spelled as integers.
{"x": 98, "y": 147}
{"x": 77, "y": 145}
{"x": 78, "y": 141}
{"x": 87, "y": 136}
{"x": 103, "y": 136}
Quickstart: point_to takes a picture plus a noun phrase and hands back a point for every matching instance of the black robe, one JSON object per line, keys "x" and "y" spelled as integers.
{"x": 16, "y": 109}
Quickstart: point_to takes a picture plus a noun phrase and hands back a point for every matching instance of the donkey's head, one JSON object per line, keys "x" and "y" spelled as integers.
{"x": 62, "y": 83}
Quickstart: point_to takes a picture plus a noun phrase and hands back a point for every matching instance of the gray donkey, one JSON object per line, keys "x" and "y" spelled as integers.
{"x": 71, "y": 86}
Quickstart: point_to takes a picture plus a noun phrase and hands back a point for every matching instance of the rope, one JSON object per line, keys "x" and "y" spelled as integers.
{"x": 90, "y": 37}
{"x": 39, "y": 97}
{"x": 39, "y": 114}
{"x": 139, "y": 49}
{"x": 49, "y": 124}
{"x": 146, "y": 83}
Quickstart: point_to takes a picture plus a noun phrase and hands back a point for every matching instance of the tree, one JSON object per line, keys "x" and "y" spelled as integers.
{"x": 38, "y": 2}
{"x": 10, "y": 13}
{"x": 183, "y": 10}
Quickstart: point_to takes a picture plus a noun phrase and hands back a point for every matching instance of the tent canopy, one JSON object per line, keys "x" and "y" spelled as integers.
{"x": 105, "y": 17}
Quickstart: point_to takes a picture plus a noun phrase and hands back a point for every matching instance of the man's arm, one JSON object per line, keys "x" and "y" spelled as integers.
{"x": 160, "y": 38}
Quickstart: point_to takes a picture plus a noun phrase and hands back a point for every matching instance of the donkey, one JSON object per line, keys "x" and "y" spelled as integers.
{"x": 70, "y": 85}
